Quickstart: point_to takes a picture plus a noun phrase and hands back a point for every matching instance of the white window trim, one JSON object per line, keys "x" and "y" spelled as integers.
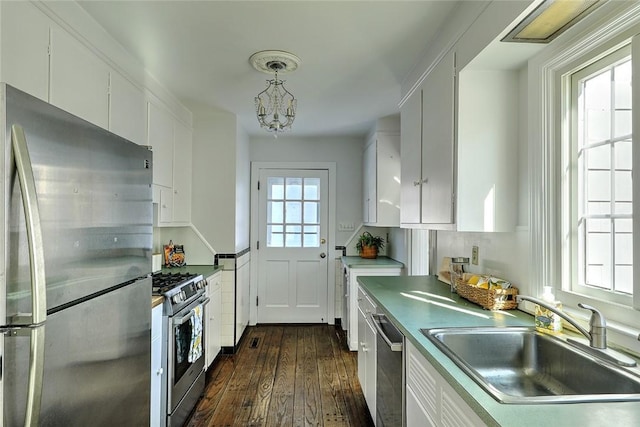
{"x": 570, "y": 182}
{"x": 615, "y": 23}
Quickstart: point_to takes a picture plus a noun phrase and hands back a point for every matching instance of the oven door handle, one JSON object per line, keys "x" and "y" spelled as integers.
{"x": 177, "y": 321}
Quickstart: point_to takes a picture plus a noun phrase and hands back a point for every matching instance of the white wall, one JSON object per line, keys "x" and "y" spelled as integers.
{"x": 346, "y": 152}
{"x": 397, "y": 245}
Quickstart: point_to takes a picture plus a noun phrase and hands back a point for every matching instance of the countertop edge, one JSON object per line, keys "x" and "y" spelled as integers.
{"x": 354, "y": 261}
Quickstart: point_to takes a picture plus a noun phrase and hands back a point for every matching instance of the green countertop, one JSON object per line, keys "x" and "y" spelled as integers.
{"x": 415, "y": 302}
{"x": 205, "y": 270}
{"x": 380, "y": 262}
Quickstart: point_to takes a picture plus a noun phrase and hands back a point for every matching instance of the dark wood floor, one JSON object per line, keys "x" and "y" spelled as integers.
{"x": 285, "y": 375}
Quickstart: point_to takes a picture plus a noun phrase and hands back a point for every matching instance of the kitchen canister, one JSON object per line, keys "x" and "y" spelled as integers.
{"x": 456, "y": 270}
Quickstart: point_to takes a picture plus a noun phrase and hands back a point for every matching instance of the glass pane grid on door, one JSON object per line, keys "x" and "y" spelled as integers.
{"x": 293, "y": 212}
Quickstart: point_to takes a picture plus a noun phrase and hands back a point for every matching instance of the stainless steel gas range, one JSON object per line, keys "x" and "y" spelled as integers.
{"x": 183, "y": 333}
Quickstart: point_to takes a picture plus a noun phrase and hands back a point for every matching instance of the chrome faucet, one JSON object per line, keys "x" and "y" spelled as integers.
{"x": 597, "y": 333}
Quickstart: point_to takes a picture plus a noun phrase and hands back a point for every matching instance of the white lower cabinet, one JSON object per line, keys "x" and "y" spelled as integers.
{"x": 212, "y": 316}
{"x": 417, "y": 415}
{"x": 430, "y": 400}
{"x": 352, "y": 296}
{"x": 156, "y": 366}
{"x": 367, "y": 351}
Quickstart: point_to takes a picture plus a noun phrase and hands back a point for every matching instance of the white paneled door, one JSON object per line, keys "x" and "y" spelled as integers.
{"x": 293, "y": 261}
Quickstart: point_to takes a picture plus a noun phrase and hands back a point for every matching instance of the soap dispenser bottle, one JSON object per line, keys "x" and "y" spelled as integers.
{"x": 545, "y": 319}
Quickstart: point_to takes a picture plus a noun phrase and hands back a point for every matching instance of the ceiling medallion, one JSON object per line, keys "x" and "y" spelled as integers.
{"x": 275, "y": 106}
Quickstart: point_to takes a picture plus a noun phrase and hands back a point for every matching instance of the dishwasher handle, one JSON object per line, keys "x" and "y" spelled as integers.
{"x": 378, "y": 320}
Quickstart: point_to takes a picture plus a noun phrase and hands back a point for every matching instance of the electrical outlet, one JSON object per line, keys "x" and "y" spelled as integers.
{"x": 474, "y": 255}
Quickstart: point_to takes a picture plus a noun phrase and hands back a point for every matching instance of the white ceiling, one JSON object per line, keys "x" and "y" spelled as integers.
{"x": 355, "y": 54}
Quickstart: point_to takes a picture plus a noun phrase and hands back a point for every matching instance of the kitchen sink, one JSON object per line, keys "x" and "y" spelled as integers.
{"x": 521, "y": 365}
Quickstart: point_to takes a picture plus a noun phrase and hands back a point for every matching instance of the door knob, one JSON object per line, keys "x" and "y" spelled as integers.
{"x": 323, "y": 241}
{"x": 323, "y": 255}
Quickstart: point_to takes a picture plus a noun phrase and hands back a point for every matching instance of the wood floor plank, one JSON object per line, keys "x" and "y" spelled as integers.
{"x": 260, "y": 412}
{"x": 217, "y": 380}
{"x": 243, "y": 413}
{"x": 298, "y": 387}
{"x": 312, "y": 400}
{"x": 282, "y": 396}
{"x": 334, "y": 411}
{"x": 237, "y": 386}
{"x": 346, "y": 363}
{"x": 295, "y": 375}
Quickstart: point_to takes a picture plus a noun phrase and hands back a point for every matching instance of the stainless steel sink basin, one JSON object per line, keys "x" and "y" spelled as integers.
{"x": 520, "y": 365}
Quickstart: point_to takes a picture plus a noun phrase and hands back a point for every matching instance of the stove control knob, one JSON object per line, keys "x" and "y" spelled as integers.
{"x": 183, "y": 295}
{"x": 176, "y": 298}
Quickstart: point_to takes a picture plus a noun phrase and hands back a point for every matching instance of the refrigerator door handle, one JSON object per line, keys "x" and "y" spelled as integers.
{"x": 32, "y": 218}
{"x": 38, "y": 285}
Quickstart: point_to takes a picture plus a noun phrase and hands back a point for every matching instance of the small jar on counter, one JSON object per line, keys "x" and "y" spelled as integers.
{"x": 457, "y": 269}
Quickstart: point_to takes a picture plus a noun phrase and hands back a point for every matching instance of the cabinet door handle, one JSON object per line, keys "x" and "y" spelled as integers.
{"x": 417, "y": 183}
{"x": 160, "y": 371}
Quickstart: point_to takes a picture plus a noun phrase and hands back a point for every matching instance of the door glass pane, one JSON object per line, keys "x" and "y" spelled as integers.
{"x": 275, "y": 236}
{"x": 294, "y": 189}
{"x": 294, "y": 212}
{"x": 293, "y": 237}
{"x": 275, "y": 212}
{"x": 312, "y": 189}
{"x": 311, "y": 213}
{"x": 291, "y": 202}
{"x": 275, "y": 188}
{"x": 311, "y": 236}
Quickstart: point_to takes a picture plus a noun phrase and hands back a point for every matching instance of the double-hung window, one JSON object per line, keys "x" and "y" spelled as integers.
{"x": 597, "y": 204}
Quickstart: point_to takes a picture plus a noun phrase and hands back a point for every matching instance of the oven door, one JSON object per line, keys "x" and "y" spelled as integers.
{"x": 181, "y": 369}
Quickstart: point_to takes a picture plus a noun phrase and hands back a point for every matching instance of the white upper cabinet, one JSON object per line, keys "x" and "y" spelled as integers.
{"x": 488, "y": 150}
{"x": 381, "y": 180}
{"x": 172, "y": 146}
{"x": 411, "y": 160}
{"x": 182, "y": 168}
{"x": 79, "y": 80}
{"x": 460, "y": 131}
{"x": 438, "y": 143}
{"x": 127, "y": 109}
{"x": 369, "y": 166}
{"x": 460, "y": 150}
{"x": 160, "y": 138}
{"x": 428, "y": 149}
{"x": 24, "y": 43}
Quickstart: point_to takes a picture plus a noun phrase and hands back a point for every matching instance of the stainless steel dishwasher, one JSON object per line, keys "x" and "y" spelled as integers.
{"x": 389, "y": 373}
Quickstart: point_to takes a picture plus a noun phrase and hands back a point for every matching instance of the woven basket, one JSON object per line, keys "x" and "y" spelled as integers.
{"x": 491, "y": 299}
{"x": 370, "y": 252}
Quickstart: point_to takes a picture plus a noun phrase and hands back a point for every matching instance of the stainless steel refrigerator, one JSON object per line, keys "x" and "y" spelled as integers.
{"x": 75, "y": 296}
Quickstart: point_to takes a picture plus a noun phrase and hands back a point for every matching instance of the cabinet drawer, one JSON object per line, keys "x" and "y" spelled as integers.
{"x": 365, "y": 303}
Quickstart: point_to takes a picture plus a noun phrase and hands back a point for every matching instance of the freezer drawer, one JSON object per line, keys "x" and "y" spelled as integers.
{"x": 92, "y": 376}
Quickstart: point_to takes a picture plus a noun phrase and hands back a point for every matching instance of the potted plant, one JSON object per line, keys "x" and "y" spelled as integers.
{"x": 368, "y": 245}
